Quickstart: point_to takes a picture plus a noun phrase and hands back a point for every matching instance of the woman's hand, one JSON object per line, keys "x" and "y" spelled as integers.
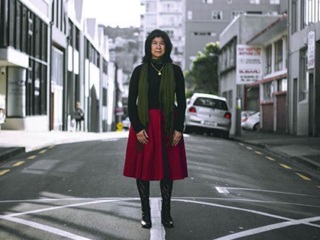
{"x": 142, "y": 136}
{"x": 176, "y": 138}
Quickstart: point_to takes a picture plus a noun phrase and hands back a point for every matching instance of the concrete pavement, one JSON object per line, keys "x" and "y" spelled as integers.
{"x": 303, "y": 149}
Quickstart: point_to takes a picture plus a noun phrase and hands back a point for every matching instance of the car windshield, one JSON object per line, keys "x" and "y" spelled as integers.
{"x": 211, "y": 103}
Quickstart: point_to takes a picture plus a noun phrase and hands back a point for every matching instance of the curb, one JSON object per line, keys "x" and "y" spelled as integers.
{"x": 10, "y": 152}
{"x": 302, "y": 160}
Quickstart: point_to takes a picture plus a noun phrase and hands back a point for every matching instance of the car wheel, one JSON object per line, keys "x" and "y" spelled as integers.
{"x": 256, "y": 127}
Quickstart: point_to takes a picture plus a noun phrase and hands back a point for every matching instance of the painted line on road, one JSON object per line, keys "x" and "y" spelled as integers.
{"x": 303, "y": 177}
{"x": 285, "y": 166}
{"x": 157, "y": 232}
{"x": 270, "y": 158}
{"x": 259, "y": 153}
{"x": 18, "y": 163}
{"x": 32, "y": 157}
{"x": 249, "y": 148}
{"x": 46, "y": 228}
{"x": 222, "y": 190}
{"x": 43, "y": 151}
{"x": 3, "y": 172}
{"x": 267, "y": 228}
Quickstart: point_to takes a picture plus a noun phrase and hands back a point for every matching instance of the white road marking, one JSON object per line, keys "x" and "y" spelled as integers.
{"x": 246, "y": 210}
{"x": 267, "y": 228}
{"x": 61, "y": 207}
{"x": 46, "y": 228}
{"x": 222, "y": 190}
{"x": 157, "y": 232}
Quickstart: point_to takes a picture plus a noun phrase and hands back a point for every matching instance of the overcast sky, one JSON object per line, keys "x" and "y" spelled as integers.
{"x": 122, "y": 13}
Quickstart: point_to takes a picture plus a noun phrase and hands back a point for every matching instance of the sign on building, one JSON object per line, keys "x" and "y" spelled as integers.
{"x": 249, "y": 64}
{"x": 311, "y": 49}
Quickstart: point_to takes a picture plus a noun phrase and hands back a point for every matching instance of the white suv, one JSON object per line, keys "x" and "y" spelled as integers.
{"x": 209, "y": 113}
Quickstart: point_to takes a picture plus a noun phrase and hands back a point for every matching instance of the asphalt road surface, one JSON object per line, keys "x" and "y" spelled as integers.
{"x": 234, "y": 191}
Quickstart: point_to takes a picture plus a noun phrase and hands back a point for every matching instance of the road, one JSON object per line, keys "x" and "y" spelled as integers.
{"x": 234, "y": 191}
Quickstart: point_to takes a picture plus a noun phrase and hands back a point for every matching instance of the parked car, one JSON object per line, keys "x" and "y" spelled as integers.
{"x": 252, "y": 122}
{"x": 245, "y": 115}
{"x": 208, "y": 113}
{"x": 126, "y": 123}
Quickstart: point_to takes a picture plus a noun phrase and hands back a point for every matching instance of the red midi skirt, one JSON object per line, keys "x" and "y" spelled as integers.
{"x": 157, "y": 159}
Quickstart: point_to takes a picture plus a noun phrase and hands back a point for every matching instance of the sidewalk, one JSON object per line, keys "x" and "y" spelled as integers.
{"x": 301, "y": 149}
{"x": 14, "y": 142}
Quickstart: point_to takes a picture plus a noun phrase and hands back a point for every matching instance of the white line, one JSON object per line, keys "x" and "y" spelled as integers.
{"x": 245, "y": 210}
{"x": 46, "y": 228}
{"x": 157, "y": 231}
{"x": 270, "y": 191}
{"x": 268, "y": 228}
{"x": 60, "y": 207}
{"x": 222, "y": 190}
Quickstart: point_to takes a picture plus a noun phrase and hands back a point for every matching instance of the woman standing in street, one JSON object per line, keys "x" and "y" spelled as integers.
{"x": 155, "y": 148}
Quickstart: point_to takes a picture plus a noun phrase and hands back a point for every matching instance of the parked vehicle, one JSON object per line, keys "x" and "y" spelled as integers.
{"x": 252, "y": 122}
{"x": 245, "y": 115}
{"x": 126, "y": 123}
{"x": 208, "y": 113}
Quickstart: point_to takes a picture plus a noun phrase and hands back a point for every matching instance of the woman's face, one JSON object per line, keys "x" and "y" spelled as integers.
{"x": 158, "y": 47}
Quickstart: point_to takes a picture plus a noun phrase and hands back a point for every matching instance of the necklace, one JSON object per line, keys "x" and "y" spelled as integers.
{"x": 159, "y": 71}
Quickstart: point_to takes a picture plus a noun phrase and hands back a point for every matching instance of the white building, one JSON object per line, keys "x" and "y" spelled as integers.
{"x": 166, "y": 15}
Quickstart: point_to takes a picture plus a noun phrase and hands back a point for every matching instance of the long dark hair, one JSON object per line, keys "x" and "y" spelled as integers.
{"x": 147, "y": 46}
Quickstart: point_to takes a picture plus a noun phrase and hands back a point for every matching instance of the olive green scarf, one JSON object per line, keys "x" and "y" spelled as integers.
{"x": 166, "y": 96}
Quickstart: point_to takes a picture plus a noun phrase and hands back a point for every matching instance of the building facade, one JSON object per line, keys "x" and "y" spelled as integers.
{"x": 272, "y": 87}
{"x": 204, "y": 20}
{"x": 25, "y": 63}
{"x": 304, "y": 67}
{"x": 242, "y": 66}
{"x": 51, "y": 58}
{"x": 166, "y": 15}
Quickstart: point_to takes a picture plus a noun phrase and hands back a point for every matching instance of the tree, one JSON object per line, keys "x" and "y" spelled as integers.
{"x": 203, "y": 77}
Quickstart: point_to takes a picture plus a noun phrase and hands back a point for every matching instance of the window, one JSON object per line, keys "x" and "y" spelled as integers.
{"x": 278, "y": 55}
{"x": 274, "y": 1}
{"x": 189, "y": 15}
{"x": 303, "y": 81}
{"x": 311, "y": 11}
{"x": 294, "y": 19}
{"x": 268, "y": 59}
{"x": 216, "y": 15}
{"x": 151, "y": 7}
{"x": 282, "y": 85}
{"x": 255, "y": 1}
{"x": 207, "y": 1}
{"x": 211, "y": 103}
{"x": 268, "y": 91}
{"x": 236, "y": 13}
